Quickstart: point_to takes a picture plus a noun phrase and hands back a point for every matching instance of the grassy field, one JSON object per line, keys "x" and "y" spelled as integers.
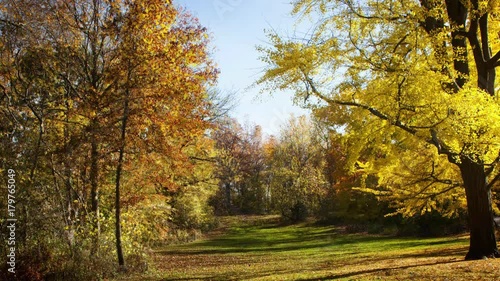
{"x": 258, "y": 248}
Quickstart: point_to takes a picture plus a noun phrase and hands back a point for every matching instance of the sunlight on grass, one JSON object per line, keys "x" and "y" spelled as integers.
{"x": 258, "y": 248}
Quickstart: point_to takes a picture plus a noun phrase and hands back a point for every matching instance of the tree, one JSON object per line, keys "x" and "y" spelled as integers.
{"x": 163, "y": 69}
{"x": 227, "y": 137}
{"x": 407, "y": 77}
{"x": 296, "y": 169}
{"x": 240, "y": 164}
{"x": 94, "y": 91}
{"x": 250, "y": 188}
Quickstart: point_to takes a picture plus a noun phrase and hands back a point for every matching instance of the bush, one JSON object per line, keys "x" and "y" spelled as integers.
{"x": 432, "y": 224}
{"x": 136, "y": 263}
{"x": 30, "y": 265}
{"x": 298, "y": 212}
{"x": 192, "y": 211}
{"x": 54, "y": 263}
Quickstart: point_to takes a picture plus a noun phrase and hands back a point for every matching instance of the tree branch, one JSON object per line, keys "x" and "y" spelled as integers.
{"x": 372, "y": 110}
{"x": 492, "y": 165}
{"x": 472, "y": 35}
{"x": 493, "y": 61}
{"x": 373, "y": 16}
{"x": 8, "y": 22}
{"x": 434, "y": 140}
{"x": 493, "y": 181}
{"x": 202, "y": 159}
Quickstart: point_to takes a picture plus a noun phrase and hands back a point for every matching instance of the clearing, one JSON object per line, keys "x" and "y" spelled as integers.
{"x": 259, "y": 248}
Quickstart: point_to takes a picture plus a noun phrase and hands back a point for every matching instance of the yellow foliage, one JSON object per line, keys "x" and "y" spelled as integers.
{"x": 393, "y": 80}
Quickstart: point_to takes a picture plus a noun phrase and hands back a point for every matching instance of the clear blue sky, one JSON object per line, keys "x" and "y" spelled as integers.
{"x": 237, "y": 26}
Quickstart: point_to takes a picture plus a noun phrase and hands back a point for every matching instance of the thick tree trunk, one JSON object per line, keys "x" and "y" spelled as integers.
{"x": 482, "y": 232}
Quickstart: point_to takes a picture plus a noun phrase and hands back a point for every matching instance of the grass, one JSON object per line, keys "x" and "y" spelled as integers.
{"x": 258, "y": 248}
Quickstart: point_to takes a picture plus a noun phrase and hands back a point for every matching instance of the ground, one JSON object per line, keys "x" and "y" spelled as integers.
{"x": 260, "y": 248}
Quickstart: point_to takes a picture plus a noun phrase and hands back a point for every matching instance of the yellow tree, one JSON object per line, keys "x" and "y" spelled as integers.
{"x": 295, "y": 168}
{"x": 414, "y": 84}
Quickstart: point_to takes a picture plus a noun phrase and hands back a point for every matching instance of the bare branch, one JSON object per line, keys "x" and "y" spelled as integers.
{"x": 8, "y": 22}
{"x": 373, "y": 16}
{"x": 372, "y": 110}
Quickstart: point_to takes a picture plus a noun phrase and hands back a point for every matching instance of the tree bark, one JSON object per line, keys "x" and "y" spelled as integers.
{"x": 227, "y": 189}
{"x": 119, "y": 167}
{"x": 94, "y": 191}
{"x": 478, "y": 193}
{"x": 482, "y": 232}
{"x": 457, "y": 13}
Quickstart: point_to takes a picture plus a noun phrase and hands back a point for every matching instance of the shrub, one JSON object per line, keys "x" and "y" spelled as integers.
{"x": 299, "y": 212}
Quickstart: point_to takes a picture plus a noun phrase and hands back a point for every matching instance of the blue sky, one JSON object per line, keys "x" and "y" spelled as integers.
{"x": 237, "y": 26}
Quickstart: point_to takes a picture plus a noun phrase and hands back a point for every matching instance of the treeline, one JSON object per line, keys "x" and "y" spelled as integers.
{"x": 305, "y": 172}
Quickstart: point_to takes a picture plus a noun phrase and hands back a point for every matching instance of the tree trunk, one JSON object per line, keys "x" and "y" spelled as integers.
{"x": 119, "y": 167}
{"x": 118, "y": 229}
{"x": 70, "y": 212}
{"x": 482, "y": 232}
{"x": 94, "y": 191}
{"x": 227, "y": 192}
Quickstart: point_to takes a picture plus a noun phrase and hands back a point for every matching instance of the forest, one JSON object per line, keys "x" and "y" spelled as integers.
{"x": 115, "y": 139}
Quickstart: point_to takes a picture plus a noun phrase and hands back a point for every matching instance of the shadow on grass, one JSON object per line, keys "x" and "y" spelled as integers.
{"x": 265, "y": 239}
{"x": 267, "y": 236}
{"x": 300, "y": 241}
{"x": 376, "y": 270}
{"x": 228, "y": 276}
{"x": 250, "y": 239}
{"x": 276, "y": 272}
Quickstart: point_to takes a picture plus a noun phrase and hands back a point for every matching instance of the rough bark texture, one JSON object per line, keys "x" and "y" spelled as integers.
{"x": 482, "y": 231}
{"x": 457, "y": 14}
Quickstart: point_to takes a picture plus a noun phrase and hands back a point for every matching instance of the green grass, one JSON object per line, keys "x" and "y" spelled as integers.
{"x": 258, "y": 248}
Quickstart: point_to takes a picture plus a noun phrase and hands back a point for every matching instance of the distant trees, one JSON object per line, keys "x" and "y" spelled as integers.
{"x": 305, "y": 171}
{"x": 299, "y": 173}
{"x": 240, "y": 167}
{"x": 296, "y": 169}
